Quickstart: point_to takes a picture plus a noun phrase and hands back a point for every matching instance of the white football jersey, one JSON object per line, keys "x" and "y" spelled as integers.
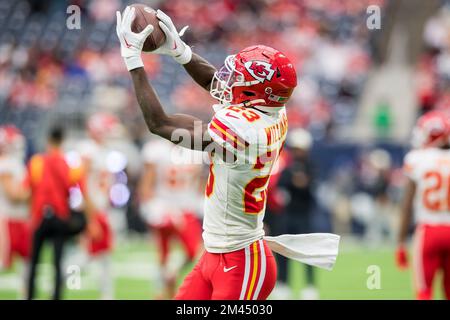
{"x": 14, "y": 167}
{"x": 430, "y": 170}
{"x": 98, "y": 176}
{"x": 177, "y": 181}
{"x": 236, "y": 191}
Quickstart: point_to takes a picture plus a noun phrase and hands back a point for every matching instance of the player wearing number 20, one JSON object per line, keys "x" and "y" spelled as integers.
{"x": 427, "y": 168}
{"x": 244, "y": 139}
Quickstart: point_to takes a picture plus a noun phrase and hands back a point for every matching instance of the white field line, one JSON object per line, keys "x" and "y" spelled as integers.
{"x": 137, "y": 267}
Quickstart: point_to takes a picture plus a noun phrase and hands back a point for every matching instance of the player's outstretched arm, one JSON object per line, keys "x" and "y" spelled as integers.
{"x": 406, "y": 211}
{"x": 197, "y": 67}
{"x": 200, "y": 70}
{"x": 178, "y": 128}
{"x": 405, "y": 222}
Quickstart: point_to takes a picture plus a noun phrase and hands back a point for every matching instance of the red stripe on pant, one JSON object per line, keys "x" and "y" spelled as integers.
{"x": 431, "y": 254}
{"x": 255, "y": 271}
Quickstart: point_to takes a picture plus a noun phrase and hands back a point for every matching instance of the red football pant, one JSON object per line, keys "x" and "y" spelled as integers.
{"x": 431, "y": 254}
{"x": 189, "y": 232}
{"x": 246, "y": 274}
{"x": 15, "y": 240}
{"x": 105, "y": 242}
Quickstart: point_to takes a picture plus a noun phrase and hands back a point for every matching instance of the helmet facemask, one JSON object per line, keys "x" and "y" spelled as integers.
{"x": 423, "y": 137}
{"x": 224, "y": 80}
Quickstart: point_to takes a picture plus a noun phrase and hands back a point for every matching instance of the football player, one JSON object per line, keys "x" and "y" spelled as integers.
{"x": 98, "y": 239}
{"x": 427, "y": 168}
{"x": 170, "y": 198}
{"x": 244, "y": 139}
{"x": 15, "y": 236}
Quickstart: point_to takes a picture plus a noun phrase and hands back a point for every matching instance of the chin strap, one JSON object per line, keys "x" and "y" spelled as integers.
{"x": 251, "y": 103}
{"x": 269, "y": 109}
{"x": 246, "y": 104}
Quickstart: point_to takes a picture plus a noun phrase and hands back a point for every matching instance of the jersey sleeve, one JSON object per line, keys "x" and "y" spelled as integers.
{"x": 411, "y": 165}
{"x": 230, "y": 132}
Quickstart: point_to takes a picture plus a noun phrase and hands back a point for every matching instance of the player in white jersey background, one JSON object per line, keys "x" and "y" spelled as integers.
{"x": 427, "y": 200}
{"x": 171, "y": 204}
{"x": 15, "y": 232}
{"x": 97, "y": 241}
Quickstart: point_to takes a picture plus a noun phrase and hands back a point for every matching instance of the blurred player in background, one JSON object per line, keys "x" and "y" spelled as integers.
{"x": 427, "y": 168}
{"x": 98, "y": 240}
{"x": 169, "y": 192}
{"x": 296, "y": 183}
{"x": 374, "y": 178}
{"x": 49, "y": 179}
{"x": 14, "y": 213}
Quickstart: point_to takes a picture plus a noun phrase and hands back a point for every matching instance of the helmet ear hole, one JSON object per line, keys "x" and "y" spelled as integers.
{"x": 249, "y": 93}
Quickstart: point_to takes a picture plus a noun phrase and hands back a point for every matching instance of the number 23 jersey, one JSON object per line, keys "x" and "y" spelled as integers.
{"x": 235, "y": 195}
{"x": 430, "y": 170}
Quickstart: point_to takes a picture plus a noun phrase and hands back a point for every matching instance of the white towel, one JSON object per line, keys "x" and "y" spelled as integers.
{"x": 316, "y": 249}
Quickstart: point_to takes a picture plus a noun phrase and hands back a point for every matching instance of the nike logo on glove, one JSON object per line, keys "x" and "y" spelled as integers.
{"x": 126, "y": 43}
{"x": 225, "y": 269}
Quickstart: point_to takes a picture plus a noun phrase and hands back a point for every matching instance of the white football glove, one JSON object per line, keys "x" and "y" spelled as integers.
{"x": 131, "y": 43}
{"x": 173, "y": 46}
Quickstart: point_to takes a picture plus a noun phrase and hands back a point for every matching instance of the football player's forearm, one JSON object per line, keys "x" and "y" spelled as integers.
{"x": 160, "y": 123}
{"x": 89, "y": 207}
{"x": 200, "y": 70}
{"x": 14, "y": 191}
{"x": 405, "y": 222}
{"x": 154, "y": 115}
{"x": 146, "y": 184}
{"x": 406, "y": 212}
{"x": 19, "y": 195}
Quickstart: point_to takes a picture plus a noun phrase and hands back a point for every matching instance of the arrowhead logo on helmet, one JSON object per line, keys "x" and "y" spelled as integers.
{"x": 255, "y": 75}
{"x": 260, "y": 70}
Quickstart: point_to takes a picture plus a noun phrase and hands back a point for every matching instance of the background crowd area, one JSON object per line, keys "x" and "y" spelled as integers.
{"x": 52, "y": 74}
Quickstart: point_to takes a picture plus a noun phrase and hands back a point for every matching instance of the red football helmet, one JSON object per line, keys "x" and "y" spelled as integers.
{"x": 432, "y": 130}
{"x": 104, "y": 125}
{"x": 12, "y": 140}
{"x": 256, "y": 75}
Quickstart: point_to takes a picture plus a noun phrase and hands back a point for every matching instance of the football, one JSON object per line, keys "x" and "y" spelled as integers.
{"x": 145, "y": 16}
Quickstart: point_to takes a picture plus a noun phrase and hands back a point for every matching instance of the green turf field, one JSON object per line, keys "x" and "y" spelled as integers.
{"x": 134, "y": 272}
